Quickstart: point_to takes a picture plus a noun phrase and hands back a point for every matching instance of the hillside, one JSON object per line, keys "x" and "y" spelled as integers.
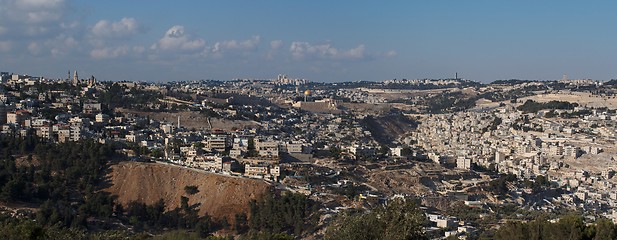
{"x": 219, "y": 196}
{"x": 388, "y": 128}
{"x": 192, "y": 119}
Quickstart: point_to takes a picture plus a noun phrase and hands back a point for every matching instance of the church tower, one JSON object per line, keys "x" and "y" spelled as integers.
{"x": 91, "y": 81}
{"x": 75, "y": 78}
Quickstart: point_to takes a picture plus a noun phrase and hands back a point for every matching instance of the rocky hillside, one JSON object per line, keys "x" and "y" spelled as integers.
{"x": 388, "y": 128}
{"x": 219, "y": 196}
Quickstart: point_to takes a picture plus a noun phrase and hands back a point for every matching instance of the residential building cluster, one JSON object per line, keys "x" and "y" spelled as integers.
{"x": 566, "y": 151}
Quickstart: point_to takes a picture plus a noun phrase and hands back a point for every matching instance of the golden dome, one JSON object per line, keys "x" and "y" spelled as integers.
{"x": 307, "y": 92}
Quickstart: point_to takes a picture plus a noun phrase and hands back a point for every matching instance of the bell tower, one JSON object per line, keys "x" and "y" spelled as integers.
{"x": 75, "y": 78}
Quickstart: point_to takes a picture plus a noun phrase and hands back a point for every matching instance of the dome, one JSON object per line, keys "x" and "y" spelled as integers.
{"x": 307, "y": 92}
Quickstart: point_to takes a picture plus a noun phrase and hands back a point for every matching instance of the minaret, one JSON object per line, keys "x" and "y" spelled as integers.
{"x": 68, "y": 76}
{"x": 178, "y": 122}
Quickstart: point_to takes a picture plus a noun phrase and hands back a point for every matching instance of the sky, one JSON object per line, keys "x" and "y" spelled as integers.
{"x": 322, "y": 41}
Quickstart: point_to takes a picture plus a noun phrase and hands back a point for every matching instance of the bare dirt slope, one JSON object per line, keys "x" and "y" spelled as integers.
{"x": 388, "y": 128}
{"x": 219, "y": 196}
{"x": 406, "y": 181}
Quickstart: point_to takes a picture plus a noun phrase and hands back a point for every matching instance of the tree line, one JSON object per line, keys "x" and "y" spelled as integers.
{"x": 65, "y": 180}
{"x": 399, "y": 219}
{"x": 288, "y": 213}
{"x": 568, "y": 227}
{"x": 531, "y": 106}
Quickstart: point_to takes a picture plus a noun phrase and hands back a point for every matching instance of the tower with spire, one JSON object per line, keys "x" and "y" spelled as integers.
{"x": 91, "y": 81}
{"x": 75, "y": 79}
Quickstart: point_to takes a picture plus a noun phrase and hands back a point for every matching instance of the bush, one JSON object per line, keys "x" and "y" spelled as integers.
{"x": 398, "y": 220}
{"x": 191, "y": 190}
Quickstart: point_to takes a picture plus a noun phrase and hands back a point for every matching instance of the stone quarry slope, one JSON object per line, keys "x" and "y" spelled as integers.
{"x": 219, "y": 196}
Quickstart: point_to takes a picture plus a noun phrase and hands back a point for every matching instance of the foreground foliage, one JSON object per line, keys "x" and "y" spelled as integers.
{"x": 398, "y": 220}
{"x": 568, "y": 227}
{"x": 290, "y": 213}
{"x": 64, "y": 181}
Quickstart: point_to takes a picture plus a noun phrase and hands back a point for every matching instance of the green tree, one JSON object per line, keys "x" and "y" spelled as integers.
{"x": 253, "y": 235}
{"x": 198, "y": 145}
{"x": 241, "y": 223}
{"x": 289, "y": 213}
{"x": 400, "y": 219}
{"x": 605, "y": 230}
{"x": 568, "y": 227}
{"x": 191, "y": 189}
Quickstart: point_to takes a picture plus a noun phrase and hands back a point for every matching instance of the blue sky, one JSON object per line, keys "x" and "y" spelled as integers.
{"x": 325, "y": 41}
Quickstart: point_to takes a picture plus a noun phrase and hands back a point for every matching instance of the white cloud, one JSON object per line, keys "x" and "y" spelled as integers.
{"x": 42, "y": 27}
{"x": 36, "y": 30}
{"x": 305, "y": 50}
{"x": 31, "y": 18}
{"x": 109, "y": 52}
{"x": 115, "y": 52}
{"x": 70, "y": 25}
{"x": 276, "y": 44}
{"x": 62, "y": 45}
{"x": 246, "y": 45}
{"x": 33, "y": 11}
{"x": 39, "y": 3}
{"x": 70, "y": 42}
{"x": 120, "y": 29}
{"x": 176, "y": 39}
{"x": 56, "y": 52}
{"x": 356, "y": 53}
{"x": 391, "y": 53}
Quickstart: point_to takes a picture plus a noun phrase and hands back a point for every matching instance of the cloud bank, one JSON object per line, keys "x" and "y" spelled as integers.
{"x": 46, "y": 30}
{"x": 126, "y": 27}
{"x": 305, "y": 50}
